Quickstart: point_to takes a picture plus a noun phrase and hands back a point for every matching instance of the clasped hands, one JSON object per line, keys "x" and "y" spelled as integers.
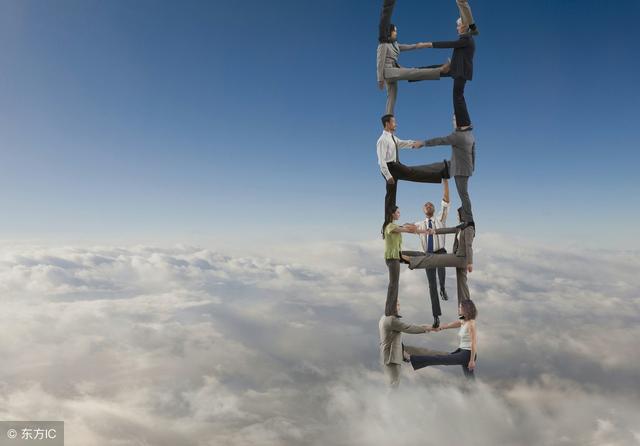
{"x": 429, "y": 328}
{"x": 413, "y": 229}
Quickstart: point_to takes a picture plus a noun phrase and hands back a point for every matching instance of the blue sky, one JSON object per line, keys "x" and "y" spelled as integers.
{"x": 249, "y": 120}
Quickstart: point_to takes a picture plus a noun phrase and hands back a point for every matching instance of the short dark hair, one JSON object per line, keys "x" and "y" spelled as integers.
{"x": 386, "y": 118}
{"x": 469, "y": 311}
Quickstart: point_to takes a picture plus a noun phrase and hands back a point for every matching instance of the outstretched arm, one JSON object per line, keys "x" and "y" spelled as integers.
{"x": 444, "y": 206}
{"x": 407, "y": 227}
{"x": 398, "y": 325}
{"x": 441, "y": 141}
{"x": 460, "y": 43}
{"x": 455, "y": 324}
{"x": 408, "y": 144}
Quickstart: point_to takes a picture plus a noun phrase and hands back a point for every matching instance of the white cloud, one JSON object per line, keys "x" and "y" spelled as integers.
{"x": 188, "y": 346}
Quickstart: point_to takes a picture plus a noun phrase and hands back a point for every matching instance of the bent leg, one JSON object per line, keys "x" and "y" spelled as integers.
{"x": 427, "y": 173}
{"x": 469, "y": 374}
{"x": 442, "y": 275}
{"x": 393, "y": 374}
{"x": 459, "y": 103}
{"x": 392, "y": 290}
{"x": 416, "y": 74}
{"x": 461, "y": 281}
{"x": 427, "y": 261}
{"x": 390, "y": 197}
{"x": 421, "y": 351}
{"x": 465, "y": 12}
{"x": 459, "y": 357}
{"x": 433, "y": 292}
{"x": 462, "y": 184}
{"x": 392, "y": 94}
{"x": 385, "y": 19}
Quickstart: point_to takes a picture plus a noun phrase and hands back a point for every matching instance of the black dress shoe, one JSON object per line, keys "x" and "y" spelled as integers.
{"x": 443, "y": 294}
{"x": 436, "y": 322}
{"x": 445, "y": 171}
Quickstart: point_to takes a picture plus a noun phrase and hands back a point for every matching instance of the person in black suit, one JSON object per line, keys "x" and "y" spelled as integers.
{"x": 461, "y": 69}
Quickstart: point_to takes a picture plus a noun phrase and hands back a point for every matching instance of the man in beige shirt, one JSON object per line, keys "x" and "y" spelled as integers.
{"x": 391, "y": 348}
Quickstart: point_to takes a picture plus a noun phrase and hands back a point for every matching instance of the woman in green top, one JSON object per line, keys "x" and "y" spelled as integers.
{"x": 392, "y": 235}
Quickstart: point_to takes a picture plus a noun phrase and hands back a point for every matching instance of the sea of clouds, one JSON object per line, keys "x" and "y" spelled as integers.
{"x": 182, "y": 346}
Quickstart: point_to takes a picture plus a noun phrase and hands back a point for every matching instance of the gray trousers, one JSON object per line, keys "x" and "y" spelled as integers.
{"x": 420, "y": 260}
{"x": 462, "y": 184}
{"x": 392, "y": 75}
{"x": 465, "y": 12}
{"x": 393, "y": 374}
{"x": 392, "y": 290}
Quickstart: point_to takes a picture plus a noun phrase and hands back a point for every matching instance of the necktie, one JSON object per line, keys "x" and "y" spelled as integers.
{"x": 430, "y": 239}
{"x": 396, "y": 143}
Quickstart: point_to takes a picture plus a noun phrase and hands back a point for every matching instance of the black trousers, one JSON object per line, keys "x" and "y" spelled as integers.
{"x": 385, "y": 19}
{"x": 390, "y": 306}
{"x": 427, "y": 173}
{"x": 458, "y": 357}
{"x": 433, "y": 284}
{"x": 459, "y": 103}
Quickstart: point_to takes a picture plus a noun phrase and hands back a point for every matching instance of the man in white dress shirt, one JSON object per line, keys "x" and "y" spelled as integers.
{"x": 435, "y": 243}
{"x": 393, "y": 170}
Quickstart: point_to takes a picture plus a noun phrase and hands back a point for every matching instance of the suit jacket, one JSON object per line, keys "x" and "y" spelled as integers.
{"x": 462, "y": 58}
{"x": 463, "y": 244}
{"x": 391, "y": 329}
{"x": 387, "y": 56}
{"x": 463, "y": 151}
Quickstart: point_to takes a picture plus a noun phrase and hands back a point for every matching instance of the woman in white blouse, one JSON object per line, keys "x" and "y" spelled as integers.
{"x": 467, "y": 351}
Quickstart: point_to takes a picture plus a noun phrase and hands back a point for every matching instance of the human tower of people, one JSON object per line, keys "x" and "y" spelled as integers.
{"x": 433, "y": 229}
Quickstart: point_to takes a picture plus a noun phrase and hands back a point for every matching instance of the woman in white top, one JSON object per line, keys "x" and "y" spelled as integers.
{"x": 467, "y": 351}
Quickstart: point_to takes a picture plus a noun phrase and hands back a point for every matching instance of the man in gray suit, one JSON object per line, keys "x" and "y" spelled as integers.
{"x": 391, "y": 347}
{"x": 461, "y": 258}
{"x": 463, "y": 159}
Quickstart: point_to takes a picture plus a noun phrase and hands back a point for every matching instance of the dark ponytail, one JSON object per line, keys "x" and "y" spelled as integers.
{"x": 388, "y": 217}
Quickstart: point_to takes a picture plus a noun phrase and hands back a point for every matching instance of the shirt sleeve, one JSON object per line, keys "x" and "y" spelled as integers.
{"x": 382, "y": 161}
{"x": 405, "y": 143}
{"x": 444, "y": 213}
{"x": 423, "y": 242}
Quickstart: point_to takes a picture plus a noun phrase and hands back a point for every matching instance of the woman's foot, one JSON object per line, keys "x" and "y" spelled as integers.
{"x": 436, "y": 322}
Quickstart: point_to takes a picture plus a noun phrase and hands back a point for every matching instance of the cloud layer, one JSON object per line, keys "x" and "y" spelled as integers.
{"x": 188, "y": 346}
